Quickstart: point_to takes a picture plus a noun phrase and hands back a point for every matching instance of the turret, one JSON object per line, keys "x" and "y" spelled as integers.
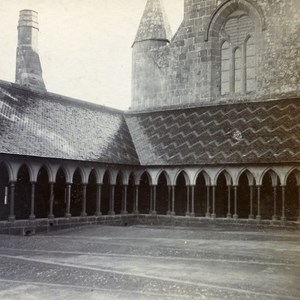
{"x": 153, "y": 33}
{"x": 28, "y": 65}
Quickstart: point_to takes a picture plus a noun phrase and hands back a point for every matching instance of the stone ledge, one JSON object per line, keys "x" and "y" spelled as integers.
{"x": 29, "y": 227}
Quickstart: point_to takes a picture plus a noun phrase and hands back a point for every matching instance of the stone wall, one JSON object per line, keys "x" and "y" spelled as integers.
{"x": 188, "y": 69}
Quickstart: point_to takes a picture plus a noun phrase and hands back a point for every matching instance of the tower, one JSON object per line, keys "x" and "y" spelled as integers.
{"x": 28, "y": 65}
{"x": 153, "y": 34}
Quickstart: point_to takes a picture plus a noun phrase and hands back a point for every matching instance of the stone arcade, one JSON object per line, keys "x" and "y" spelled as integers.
{"x": 213, "y": 132}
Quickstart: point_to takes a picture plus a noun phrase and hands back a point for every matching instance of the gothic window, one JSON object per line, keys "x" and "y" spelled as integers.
{"x": 238, "y": 53}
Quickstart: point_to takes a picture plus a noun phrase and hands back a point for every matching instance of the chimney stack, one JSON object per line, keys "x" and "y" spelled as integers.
{"x": 28, "y": 65}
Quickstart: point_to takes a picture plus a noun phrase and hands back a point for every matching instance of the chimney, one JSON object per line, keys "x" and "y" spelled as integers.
{"x": 28, "y": 65}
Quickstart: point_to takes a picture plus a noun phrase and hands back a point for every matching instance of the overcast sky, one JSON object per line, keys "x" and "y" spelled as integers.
{"x": 84, "y": 45}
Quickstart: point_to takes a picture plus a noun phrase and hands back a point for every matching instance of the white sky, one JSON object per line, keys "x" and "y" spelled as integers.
{"x": 84, "y": 45}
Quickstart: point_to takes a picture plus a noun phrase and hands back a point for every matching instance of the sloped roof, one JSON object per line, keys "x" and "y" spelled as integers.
{"x": 52, "y": 126}
{"x": 258, "y": 132}
{"x": 154, "y": 24}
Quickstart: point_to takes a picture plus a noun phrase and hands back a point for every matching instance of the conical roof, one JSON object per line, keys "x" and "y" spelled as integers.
{"x": 154, "y": 24}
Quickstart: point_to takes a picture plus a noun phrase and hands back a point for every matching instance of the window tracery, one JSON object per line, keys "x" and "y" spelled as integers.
{"x": 238, "y": 53}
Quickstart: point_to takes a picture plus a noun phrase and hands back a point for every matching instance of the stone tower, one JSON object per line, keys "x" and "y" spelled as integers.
{"x": 224, "y": 51}
{"x": 28, "y": 65}
{"x": 154, "y": 32}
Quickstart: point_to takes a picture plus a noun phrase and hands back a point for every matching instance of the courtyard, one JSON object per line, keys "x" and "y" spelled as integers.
{"x": 142, "y": 262}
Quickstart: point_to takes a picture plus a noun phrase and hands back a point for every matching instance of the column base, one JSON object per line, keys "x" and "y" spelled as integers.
{"x": 51, "y": 216}
{"x": 192, "y": 215}
{"x": 68, "y": 215}
{"x": 207, "y": 215}
{"x": 136, "y": 212}
{"x": 275, "y": 218}
{"x": 251, "y": 217}
{"x": 187, "y": 214}
{"x": 235, "y": 216}
{"x": 154, "y": 213}
{"x": 213, "y": 216}
{"x": 124, "y": 212}
{"x": 258, "y": 218}
{"x": 32, "y": 217}
{"x": 11, "y": 218}
{"x": 283, "y": 219}
{"x": 111, "y": 213}
{"x": 98, "y": 214}
{"x": 172, "y": 213}
{"x": 228, "y": 216}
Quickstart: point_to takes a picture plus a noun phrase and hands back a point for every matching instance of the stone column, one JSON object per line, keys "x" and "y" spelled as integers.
{"x": 83, "y": 211}
{"x": 68, "y": 194}
{"x": 151, "y": 199}
{"x": 112, "y": 200}
{"x": 258, "y": 217}
{"x": 213, "y": 215}
{"x": 12, "y": 216}
{"x": 98, "y": 200}
{"x": 283, "y": 218}
{"x": 154, "y": 212}
{"x": 32, "y": 216}
{"x": 235, "y": 216}
{"x": 173, "y": 201}
{"x": 229, "y": 203}
{"x": 187, "y": 200}
{"x": 124, "y": 201}
{"x": 251, "y": 216}
{"x": 169, "y": 200}
{"x": 136, "y": 208}
{"x": 207, "y": 215}
{"x": 51, "y": 199}
{"x": 274, "y": 217}
{"x": 193, "y": 201}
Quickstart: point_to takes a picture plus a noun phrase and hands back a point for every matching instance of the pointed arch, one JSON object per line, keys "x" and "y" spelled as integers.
{"x": 274, "y": 176}
{"x": 9, "y": 169}
{"x": 29, "y": 169}
{"x": 297, "y": 175}
{"x": 185, "y": 174}
{"x": 148, "y": 176}
{"x": 227, "y": 175}
{"x": 165, "y": 173}
{"x": 205, "y": 175}
{"x": 250, "y": 176}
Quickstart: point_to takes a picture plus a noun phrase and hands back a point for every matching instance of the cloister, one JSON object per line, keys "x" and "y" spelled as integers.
{"x": 43, "y": 188}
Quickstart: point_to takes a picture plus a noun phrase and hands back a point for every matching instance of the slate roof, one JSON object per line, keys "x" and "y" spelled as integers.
{"x": 43, "y": 124}
{"x": 52, "y": 126}
{"x": 154, "y": 24}
{"x": 258, "y": 132}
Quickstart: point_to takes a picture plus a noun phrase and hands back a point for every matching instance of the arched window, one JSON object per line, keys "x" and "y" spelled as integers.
{"x": 225, "y": 68}
{"x": 238, "y": 52}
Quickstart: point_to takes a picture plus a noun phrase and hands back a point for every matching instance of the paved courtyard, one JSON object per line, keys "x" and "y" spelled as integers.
{"x": 104, "y": 262}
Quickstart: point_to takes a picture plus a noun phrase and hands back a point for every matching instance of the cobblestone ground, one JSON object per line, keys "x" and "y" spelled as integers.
{"x": 103, "y": 262}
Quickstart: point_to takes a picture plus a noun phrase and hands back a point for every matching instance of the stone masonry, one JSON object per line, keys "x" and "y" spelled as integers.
{"x": 186, "y": 70}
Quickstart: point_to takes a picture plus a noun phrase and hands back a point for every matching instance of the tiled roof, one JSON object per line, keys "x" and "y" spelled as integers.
{"x": 154, "y": 23}
{"x": 258, "y": 132}
{"x": 52, "y": 126}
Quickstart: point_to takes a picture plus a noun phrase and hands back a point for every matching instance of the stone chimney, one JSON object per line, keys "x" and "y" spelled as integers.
{"x": 28, "y": 65}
